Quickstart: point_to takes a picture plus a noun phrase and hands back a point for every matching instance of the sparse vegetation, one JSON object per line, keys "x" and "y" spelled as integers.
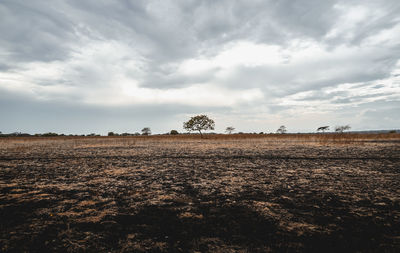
{"x": 341, "y": 129}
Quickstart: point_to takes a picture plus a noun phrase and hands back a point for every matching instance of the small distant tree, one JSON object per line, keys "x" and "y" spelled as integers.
{"x": 323, "y": 128}
{"x": 199, "y": 123}
{"x": 229, "y": 129}
{"x": 173, "y": 132}
{"x": 111, "y": 134}
{"x": 281, "y": 130}
{"x": 341, "y": 129}
{"x": 146, "y": 131}
{"x": 49, "y": 134}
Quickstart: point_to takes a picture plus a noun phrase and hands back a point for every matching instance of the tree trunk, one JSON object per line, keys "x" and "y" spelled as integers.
{"x": 201, "y": 135}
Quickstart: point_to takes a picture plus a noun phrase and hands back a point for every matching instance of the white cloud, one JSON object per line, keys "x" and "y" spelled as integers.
{"x": 109, "y": 73}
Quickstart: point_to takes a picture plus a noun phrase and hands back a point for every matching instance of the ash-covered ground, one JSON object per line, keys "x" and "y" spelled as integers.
{"x": 210, "y": 195}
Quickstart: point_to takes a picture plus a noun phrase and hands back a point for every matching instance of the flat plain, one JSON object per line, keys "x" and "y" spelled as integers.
{"x": 235, "y": 193}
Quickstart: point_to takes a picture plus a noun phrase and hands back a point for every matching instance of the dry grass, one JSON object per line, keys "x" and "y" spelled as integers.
{"x": 225, "y": 193}
{"x": 130, "y": 140}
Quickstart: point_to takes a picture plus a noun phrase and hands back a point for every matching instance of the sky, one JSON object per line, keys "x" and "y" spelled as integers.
{"x": 96, "y": 66}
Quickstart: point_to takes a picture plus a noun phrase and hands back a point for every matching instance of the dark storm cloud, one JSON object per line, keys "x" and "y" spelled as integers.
{"x": 34, "y": 31}
{"x": 4, "y": 67}
{"x": 83, "y": 55}
{"x": 169, "y": 30}
{"x": 263, "y": 21}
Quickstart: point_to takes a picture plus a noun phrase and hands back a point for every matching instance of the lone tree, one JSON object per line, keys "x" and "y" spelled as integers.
{"x": 341, "y": 129}
{"x": 199, "y": 123}
{"x": 146, "y": 131}
{"x": 323, "y": 128}
{"x": 281, "y": 130}
{"x": 229, "y": 129}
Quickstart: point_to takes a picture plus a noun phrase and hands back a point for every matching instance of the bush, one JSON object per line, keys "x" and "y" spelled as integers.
{"x": 173, "y": 132}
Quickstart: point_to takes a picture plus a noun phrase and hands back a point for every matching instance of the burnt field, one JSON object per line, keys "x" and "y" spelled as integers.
{"x": 178, "y": 194}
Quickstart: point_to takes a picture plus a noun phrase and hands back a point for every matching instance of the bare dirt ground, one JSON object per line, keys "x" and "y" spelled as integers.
{"x": 192, "y": 195}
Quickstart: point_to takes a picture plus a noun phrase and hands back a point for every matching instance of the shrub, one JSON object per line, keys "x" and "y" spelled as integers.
{"x": 173, "y": 132}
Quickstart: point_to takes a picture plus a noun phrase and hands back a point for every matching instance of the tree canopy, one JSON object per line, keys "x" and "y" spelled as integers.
{"x": 229, "y": 129}
{"x": 323, "y": 128}
{"x": 341, "y": 129}
{"x": 146, "y": 131}
{"x": 281, "y": 130}
{"x": 199, "y": 123}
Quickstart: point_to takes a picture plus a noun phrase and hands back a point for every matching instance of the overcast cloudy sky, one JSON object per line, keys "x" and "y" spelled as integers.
{"x": 97, "y": 66}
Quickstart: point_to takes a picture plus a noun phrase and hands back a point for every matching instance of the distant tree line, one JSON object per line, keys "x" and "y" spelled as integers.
{"x": 199, "y": 123}
{"x": 20, "y": 134}
{"x": 123, "y": 134}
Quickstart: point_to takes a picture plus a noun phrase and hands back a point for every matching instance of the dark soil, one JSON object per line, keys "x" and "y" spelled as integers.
{"x": 198, "y": 196}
